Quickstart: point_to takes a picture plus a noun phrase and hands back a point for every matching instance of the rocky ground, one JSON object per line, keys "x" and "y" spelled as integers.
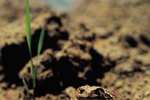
{"x": 102, "y": 43}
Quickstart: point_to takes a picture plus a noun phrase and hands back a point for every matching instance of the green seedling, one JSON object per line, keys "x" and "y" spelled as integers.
{"x": 33, "y": 69}
{"x": 26, "y": 86}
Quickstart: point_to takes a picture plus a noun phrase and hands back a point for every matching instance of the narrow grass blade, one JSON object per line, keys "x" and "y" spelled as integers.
{"x": 29, "y": 38}
{"x": 25, "y": 86}
{"x": 41, "y": 40}
{"x": 28, "y": 27}
{"x": 33, "y": 74}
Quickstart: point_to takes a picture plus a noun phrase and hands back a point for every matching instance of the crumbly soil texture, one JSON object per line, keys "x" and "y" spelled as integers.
{"x": 102, "y": 44}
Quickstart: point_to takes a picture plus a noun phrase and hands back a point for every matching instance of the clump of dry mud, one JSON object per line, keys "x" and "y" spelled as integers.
{"x": 103, "y": 43}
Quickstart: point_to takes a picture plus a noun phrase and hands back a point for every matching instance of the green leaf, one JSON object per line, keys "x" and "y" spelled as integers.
{"x": 28, "y": 27}
{"x": 41, "y": 40}
{"x": 25, "y": 86}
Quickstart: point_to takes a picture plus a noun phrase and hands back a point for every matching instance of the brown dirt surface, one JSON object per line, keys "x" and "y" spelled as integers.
{"x": 102, "y": 43}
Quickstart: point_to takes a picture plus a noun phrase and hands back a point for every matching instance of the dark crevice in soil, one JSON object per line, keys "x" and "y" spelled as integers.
{"x": 100, "y": 65}
{"x": 136, "y": 69}
{"x": 145, "y": 40}
{"x": 54, "y": 19}
{"x": 131, "y": 41}
{"x": 51, "y": 85}
{"x": 13, "y": 58}
{"x": 67, "y": 72}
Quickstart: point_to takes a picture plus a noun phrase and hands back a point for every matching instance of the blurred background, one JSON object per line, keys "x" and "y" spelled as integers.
{"x": 62, "y": 5}
{"x": 96, "y": 42}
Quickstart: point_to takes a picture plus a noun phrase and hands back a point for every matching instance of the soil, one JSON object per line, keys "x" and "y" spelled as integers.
{"x": 101, "y": 46}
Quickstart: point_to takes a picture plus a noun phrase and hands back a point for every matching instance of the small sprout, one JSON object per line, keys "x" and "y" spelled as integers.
{"x": 33, "y": 70}
{"x": 25, "y": 86}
